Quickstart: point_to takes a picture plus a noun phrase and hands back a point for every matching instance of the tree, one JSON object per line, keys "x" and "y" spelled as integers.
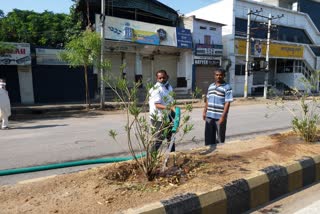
{"x": 83, "y": 51}
{"x": 6, "y": 48}
{"x": 43, "y": 29}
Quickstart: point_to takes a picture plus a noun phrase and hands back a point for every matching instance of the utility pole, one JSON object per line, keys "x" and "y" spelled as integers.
{"x": 266, "y": 75}
{"x": 102, "y": 21}
{"x": 250, "y": 12}
{"x": 245, "y": 92}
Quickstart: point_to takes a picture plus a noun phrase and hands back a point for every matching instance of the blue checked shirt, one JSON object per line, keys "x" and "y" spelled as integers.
{"x": 217, "y": 97}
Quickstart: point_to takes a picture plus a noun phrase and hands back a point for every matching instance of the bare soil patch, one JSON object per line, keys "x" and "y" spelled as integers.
{"x": 116, "y": 187}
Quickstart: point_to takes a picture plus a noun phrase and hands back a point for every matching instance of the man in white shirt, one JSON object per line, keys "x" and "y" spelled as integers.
{"x": 5, "y": 108}
{"x": 160, "y": 108}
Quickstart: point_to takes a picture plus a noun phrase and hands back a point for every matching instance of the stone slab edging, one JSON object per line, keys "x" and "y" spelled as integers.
{"x": 243, "y": 194}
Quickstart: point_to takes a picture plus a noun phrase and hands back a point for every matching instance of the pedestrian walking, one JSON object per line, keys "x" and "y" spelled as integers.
{"x": 215, "y": 113}
{"x": 5, "y": 108}
{"x": 161, "y": 109}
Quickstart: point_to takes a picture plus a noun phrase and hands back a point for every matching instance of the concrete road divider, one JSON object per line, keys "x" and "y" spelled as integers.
{"x": 243, "y": 194}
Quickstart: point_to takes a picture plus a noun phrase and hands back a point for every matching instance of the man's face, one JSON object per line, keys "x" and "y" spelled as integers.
{"x": 219, "y": 76}
{"x": 162, "y": 78}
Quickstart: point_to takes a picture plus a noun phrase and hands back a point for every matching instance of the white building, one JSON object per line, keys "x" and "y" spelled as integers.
{"x": 207, "y": 50}
{"x": 293, "y": 49}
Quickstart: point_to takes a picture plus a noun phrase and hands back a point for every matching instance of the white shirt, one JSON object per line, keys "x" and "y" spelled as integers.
{"x": 159, "y": 94}
{"x": 5, "y": 108}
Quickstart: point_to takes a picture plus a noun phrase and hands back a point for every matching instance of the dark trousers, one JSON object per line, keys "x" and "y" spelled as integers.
{"x": 214, "y": 133}
{"x": 159, "y": 136}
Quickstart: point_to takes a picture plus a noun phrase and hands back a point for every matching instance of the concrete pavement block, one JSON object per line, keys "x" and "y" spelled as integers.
{"x": 154, "y": 208}
{"x": 215, "y": 199}
{"x": 316, "y": 160}
{"x": 294, "y": 176}
{"x": 259, "y": 189}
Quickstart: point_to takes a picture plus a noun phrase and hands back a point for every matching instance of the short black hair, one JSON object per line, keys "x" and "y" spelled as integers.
{"x": 221, "y": 70}
{"x": 162, "y": 71}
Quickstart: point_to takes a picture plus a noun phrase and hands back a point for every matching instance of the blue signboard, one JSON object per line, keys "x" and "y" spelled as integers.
{"x": 184, "y": 38}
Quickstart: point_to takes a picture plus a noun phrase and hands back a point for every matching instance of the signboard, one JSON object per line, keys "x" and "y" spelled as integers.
{"x": 184, "y": 38}
{"x": 207, "y": 62}
{"x": 276, "y": 50}
{"x": 208, "y": 50}
{"x": 20, "y": 56}
{"x": 256, "y": 48}
{"x": 137, "y": 32}
{"x": 49, "y": 57}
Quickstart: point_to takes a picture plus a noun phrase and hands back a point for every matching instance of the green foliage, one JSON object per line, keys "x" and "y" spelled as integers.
{"x": 306, "y": 127}
{"x": 6, "y": 47}
{"x": 197, "y": 93}
{"x": 113, "y": 134}
{"x": 305, "y": 113}
{"x": 138, "y": 129}
{"x": 306, "y": 124}
{"x": 44, "y": 29}
{"x": 83, "y": 51}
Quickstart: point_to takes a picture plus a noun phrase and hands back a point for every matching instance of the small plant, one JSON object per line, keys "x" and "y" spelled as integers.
{"x": 306, "y": 117}
{"x": 141, "y": 136}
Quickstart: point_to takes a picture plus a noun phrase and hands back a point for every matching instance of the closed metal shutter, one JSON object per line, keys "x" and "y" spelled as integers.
{"x": 204, "y": 77}
{"x": 61, "y": 84}
{"x": 168, "y": 63}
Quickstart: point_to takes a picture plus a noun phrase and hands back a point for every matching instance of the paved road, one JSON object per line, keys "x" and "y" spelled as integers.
{"x": 305, "y": 201}
{"x": 38, "y": 142}
{"x": 63, "y": 139}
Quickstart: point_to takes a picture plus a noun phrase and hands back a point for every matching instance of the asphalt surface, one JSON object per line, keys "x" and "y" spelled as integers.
{"x": 55, "y": 137}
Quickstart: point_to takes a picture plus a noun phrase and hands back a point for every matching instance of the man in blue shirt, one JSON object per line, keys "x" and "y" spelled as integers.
{"x": 216, "y": 109}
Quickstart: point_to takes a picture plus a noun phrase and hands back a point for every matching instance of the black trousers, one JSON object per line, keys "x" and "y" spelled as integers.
{"x": 214, "y": 132}
{"x": 159, "y": 137}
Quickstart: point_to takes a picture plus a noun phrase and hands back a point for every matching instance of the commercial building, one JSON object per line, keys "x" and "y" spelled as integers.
{"x": 294, "y": 47}
{"x": 207, "y": 50}
{"x": 15, "y": 68}
{"x": 145, "y": 36}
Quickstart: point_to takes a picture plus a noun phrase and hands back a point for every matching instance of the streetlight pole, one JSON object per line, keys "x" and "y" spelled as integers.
{"x": 102, "y": 88}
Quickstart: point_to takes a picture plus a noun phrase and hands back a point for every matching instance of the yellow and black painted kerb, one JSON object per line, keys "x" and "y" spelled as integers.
{"x": 244, "y": 194}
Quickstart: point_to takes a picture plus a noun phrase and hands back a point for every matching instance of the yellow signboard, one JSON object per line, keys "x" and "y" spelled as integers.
{"x": 276, "y": 50}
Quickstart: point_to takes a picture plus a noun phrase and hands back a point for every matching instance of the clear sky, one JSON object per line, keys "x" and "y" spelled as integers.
{"x": 62, "y": 6}
{"x": 186, "y": 6}
{"x": 56, "y": 6}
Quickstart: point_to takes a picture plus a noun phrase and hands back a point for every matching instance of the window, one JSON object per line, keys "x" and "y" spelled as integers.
{"x": 285, "y": 66}
{"x": 203, "y": 27}
{"x": 240, "y": 70}
{"x": 213, "y": 28}
{"x": 207, "y": 39}
{"x": 281, "y": 33}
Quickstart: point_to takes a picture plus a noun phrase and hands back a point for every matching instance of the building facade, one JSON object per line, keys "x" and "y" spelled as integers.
{"x": 207, "y": 50}
{"x": 144, "y": 37}
{"x": 15, "y": 68}
{"x": 294, "y": 37}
